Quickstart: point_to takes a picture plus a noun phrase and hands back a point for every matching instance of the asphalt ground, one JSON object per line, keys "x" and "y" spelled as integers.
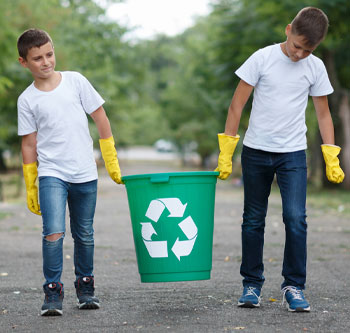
{"x": 127, "y": 305}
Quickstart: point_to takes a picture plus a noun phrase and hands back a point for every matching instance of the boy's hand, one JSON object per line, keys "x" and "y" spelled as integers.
{"x": 227, "y": 145}
{"x": 30, "y": 173}
{"x": 109, "y": 155}
{"x": 333, "y": 171}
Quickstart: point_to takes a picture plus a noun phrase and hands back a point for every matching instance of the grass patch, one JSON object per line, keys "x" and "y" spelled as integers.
{"x": 329, "y": 201}
{"x": 15, "y": 228}
{"x": 11, "y": 186}
{"x": 3, "y": 215}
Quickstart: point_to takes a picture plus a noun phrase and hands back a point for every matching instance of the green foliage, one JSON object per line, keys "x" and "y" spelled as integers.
{"x": 175, "y": 88}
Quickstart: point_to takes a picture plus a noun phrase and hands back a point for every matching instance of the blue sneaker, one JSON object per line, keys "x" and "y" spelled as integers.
{"x": 295, "y": 298}
{"x": 54, "y": 295}
{"x": 85, "y": 292}
{"x": 250, "y": 298}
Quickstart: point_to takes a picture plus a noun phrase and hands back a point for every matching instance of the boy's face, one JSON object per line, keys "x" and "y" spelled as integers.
{"x": 40, "y": 61}
{"x": 295, "y": 46}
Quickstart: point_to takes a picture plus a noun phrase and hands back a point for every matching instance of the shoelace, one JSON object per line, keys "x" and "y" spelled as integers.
{"x": 52, "y": 295}
{"x": 53, "y": 298}
{"x": 296, "y": 293}
{"x": 251, "y": 292}
{"x": 86, "y": 288}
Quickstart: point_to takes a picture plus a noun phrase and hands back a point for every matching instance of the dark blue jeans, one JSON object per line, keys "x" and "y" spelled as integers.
{"x": 259, "y": 168}
{"x": 54, "y": 194}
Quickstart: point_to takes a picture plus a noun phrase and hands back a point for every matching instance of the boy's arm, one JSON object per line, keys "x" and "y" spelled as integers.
{"x": 107, "y": 145}
{"x": 324, "y": 119}
{"x": 102, "y": 123}
{"x": 228, "y": 140}
{"x": 30, "y": 171}
{"x": 28, "y": 147}
{"x": 238, "y": 102}
{"x": 330, "y": 152}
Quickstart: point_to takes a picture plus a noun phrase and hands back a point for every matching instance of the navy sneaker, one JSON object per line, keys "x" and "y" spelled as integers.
{"x": 250, "y": 298}
{"x": 85, "y": 292}
{"x": 295, "y": 298}
{"x": 54, "y": 295}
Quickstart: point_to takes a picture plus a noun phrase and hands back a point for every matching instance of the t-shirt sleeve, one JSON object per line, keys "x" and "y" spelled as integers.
{"x": 251, "y": 68}
{"x": 90, "y": 98}
{"x": 322, "y": 85}
{"x": 26, "y": 120}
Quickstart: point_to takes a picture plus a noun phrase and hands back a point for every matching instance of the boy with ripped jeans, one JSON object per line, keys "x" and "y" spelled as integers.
{"x": 57, "y": 146}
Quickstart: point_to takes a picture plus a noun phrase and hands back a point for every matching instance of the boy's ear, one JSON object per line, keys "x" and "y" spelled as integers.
{"x": 288, "y": 29}
{"x": 23, "y": 62}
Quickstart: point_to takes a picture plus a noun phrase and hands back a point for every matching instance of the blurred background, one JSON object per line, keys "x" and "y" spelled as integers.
{"x": 167, "y": 89}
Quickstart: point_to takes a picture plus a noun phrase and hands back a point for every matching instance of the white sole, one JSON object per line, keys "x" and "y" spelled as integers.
{"x": 298, "y": 309}
{"x": 52, "y": 312}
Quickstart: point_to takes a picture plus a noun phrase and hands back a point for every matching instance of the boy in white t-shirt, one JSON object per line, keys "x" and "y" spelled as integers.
{"x": 55, "y": 135}
{"x": 282, "y": 76}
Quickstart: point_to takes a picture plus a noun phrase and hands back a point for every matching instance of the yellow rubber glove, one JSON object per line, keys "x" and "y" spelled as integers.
{"x": 109, "y": 155}
{"x": 333, "y": 171}
{"x": 227, "y": 145}
{"x": 30, "y": 173}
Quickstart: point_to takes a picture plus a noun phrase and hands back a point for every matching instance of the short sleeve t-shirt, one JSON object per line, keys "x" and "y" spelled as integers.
{"x": 64, "y": 144}
{"x": 281, "y": 90}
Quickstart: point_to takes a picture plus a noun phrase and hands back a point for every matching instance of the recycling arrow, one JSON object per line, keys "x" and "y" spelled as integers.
{"x": 159, "y": 249}
{"x": 156, "y": 208}
{"x": 147, "y": 231}
{"x": 183, "y": 248}
{"x": 188, "y": 227}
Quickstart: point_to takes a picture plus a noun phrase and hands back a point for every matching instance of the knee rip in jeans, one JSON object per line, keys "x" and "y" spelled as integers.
{"x": 54, "y": 237}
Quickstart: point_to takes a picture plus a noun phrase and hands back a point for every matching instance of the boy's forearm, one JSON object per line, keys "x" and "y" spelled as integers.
{"x": 102, "y": 123}
{"x": 28, "y": 148}
{"x": 324, "y": 119}
{"x": 104, "y": 129}
{"x": 232, "y": 121}
{"x": 238, "y": 102}
{"x": 326, "y": 130}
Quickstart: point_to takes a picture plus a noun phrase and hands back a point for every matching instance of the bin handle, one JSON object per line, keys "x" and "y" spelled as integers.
{"x": 159, "y": 179}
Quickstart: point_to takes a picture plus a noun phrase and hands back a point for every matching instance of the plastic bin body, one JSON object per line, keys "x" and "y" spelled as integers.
{"x": 172, "y": 217}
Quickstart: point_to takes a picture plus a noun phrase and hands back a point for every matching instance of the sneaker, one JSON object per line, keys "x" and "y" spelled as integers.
{"x": 250, "y": 298}
{"x": 53, "y": 300}
{"x": 85, "y": 292}
{"x": 295, "y": 298}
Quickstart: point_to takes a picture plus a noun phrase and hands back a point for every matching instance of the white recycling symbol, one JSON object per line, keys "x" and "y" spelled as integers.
{"x": 159, "y": 249}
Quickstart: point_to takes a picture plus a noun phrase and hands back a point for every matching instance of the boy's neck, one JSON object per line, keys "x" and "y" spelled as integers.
{"x": 49, "y": 83}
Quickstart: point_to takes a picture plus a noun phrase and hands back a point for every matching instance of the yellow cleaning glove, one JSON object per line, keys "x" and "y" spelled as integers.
{"x": 227, "y": 145}
{"x": 109, "y": 155}
{"x": 30, "y": 173}
{"x": 333, "y": 171}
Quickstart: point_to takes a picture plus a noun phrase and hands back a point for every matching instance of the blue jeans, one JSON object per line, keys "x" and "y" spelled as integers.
{"x": 54, "y": 194}
{"x": 259, "y": 168}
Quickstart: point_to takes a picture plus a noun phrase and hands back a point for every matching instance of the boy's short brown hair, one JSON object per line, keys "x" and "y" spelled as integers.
{"x": 312, "y": 23}
{"x": 31, "y": 38}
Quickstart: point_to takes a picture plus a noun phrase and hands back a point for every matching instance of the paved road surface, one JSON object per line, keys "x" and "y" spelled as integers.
{"x": 198, "y": 306}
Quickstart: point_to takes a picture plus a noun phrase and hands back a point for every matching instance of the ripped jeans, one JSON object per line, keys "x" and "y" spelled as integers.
{"x": 54, "y": 193}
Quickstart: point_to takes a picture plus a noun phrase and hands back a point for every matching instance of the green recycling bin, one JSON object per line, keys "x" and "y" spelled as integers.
{"x": 172, "y": 216}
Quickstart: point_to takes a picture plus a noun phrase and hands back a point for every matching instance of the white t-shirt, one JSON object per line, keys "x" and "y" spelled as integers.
{"x": 281, "y": 90}
{"x": 64, "y": 144}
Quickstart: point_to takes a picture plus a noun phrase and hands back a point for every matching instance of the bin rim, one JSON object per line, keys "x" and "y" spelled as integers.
{"x": 172, "y": 174}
